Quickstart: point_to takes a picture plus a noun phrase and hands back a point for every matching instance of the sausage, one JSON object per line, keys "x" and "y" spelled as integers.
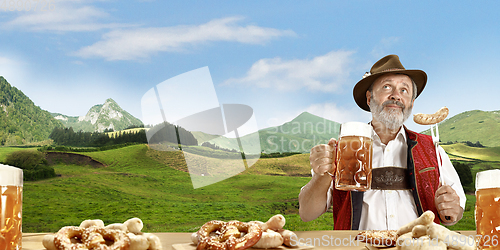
{"x": 426, "y": 119}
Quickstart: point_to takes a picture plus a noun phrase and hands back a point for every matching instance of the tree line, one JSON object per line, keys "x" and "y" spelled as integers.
{"x": 68, "y": 137}
{"x": 160, "y": 133}
{"x": 477, "y": 144}
{"x": 213, "y": 146}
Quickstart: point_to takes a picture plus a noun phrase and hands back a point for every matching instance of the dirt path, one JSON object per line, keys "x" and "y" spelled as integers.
{"x": 72, "y": 158}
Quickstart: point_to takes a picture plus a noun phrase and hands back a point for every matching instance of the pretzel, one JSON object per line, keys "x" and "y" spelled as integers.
{"x": 378, "y": 237}
{"x": 48, "y": 242}
{"x": 97, "y": 238}
{"x": 63, "y": 238}
{"x": 93, "y": 235}
{"x": 426, "y": 119}
{"x": 228, "y": 235}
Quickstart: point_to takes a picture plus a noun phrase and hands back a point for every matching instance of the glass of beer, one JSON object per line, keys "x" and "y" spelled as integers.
{"x": 11, "y": 187}
{"x": 354, "y": 157}
{"x": 488, "y": 209}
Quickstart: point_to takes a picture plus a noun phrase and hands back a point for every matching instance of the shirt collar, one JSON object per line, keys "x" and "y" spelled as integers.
{"x": 400, "y": 136}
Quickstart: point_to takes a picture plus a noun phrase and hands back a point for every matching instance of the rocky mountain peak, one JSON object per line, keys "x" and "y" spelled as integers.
{"x": 107, "y": 111}
{"x": 100, "y": 117}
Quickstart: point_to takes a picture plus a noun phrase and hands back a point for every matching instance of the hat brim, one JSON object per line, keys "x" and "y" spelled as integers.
{"x": 359, "y": 91}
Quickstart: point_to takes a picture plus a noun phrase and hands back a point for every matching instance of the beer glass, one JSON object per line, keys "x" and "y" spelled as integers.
{"x": 11, "y": 187}
{"x": 354, "y": 157}
{"x": 488, "y": 209}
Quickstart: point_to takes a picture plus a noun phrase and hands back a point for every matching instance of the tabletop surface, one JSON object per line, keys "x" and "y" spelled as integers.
{"x": 343, "y": 240}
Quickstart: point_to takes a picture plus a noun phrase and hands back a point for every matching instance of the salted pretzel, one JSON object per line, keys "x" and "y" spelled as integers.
{"x": 70, "y": 238}
{"x": 427, "y": 119}
{"x": 232, "y": 235}
{"x": 95, "y": 238}
{"x": 378, "y": 237}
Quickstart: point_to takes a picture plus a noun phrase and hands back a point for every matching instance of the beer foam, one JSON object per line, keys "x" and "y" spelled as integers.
{"x": 356, "y": 129}
{"x": 10, "y": 176}
{"x": 488, "y": 179}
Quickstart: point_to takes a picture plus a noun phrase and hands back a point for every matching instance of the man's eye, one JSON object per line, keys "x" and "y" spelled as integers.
{"x": 386, "y": 87}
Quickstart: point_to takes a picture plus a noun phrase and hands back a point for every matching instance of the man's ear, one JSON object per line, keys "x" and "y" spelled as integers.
{"x": 368, "y": 97}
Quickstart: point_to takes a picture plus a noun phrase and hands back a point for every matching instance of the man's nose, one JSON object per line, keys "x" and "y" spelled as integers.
{"x": 395, "y": 96}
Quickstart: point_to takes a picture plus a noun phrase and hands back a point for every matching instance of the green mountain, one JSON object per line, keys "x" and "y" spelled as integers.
{"x": 307, "y": 130}
{"x": 21, "y": 121}
{"x": 473, "y": 126}
{"x": 297, "y": 135}
{"x": 99, "y": 118}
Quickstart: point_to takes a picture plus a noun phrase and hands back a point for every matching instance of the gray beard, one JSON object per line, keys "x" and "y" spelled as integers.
{"x": 392, "y": 119}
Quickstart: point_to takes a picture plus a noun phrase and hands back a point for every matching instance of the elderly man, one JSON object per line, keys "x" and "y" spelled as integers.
{"x": 388, "y": 91}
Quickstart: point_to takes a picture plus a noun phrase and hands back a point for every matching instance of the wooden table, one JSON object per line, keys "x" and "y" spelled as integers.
{"x": 342, "y": 240}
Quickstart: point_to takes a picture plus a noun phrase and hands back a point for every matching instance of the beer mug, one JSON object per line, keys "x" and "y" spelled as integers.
{"x": 354, "y": 157}
{"x": 488, "y": 209}
{"x": 11, "y": 185}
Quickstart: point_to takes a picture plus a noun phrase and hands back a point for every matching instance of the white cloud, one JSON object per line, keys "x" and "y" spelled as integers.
{"x": 139, "y": 43}
{"x": 66, "y": 16}
{"x": 324, "y": 73}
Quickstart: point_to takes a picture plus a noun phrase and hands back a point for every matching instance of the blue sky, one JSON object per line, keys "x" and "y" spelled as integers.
{"x": 279, "y": 57}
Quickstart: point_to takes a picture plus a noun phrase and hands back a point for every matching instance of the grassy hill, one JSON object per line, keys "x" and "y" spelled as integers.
{"x": 483, "y": 154}
{"x": 297, "y": 135}
{"x": 156, "y": 187}
{"x": 473, "y": 126}
{"x": 140, "y": 182}
{"x": 21, "y": 121}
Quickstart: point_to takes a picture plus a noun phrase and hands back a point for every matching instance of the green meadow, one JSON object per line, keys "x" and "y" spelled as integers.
{"x": 156, "y": 187}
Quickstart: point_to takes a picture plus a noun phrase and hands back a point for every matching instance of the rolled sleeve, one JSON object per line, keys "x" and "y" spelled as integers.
{"x": 451, "y": 177}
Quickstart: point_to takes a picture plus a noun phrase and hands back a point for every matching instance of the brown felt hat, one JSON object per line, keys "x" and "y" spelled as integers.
{"x": 388, "y": 64}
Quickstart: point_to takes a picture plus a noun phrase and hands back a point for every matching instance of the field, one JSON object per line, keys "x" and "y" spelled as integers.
{"x": 483, "y": 154}
{"x": 136, "y": 184}
{"x": 155, "y": 186}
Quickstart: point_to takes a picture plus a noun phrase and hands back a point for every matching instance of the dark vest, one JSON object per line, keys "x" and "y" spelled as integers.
{"x": 424, "y": 181}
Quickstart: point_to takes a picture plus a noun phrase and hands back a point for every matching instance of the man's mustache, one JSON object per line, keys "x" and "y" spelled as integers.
{"x": 389, "y": 102}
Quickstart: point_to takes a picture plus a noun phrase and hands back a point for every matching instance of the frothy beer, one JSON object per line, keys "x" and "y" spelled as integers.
{"x": 354, "y": 157}
{"x": 10, "y": 207}
{"x": 488, "y": 209}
